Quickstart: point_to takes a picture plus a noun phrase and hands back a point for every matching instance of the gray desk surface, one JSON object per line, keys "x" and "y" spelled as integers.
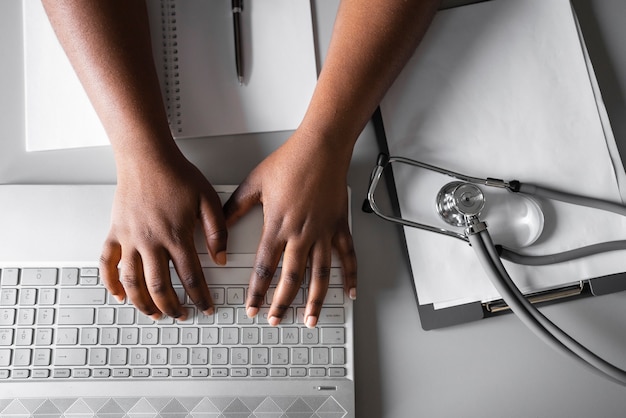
{"x": 492, "y": 367}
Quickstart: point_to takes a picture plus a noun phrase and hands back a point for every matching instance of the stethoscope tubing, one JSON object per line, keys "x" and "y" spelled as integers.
{"x": 531, "y": 317}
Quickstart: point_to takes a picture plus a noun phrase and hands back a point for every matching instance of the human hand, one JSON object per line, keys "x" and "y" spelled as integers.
{"x": 303, "y": 191}
{"x": 154, "y": 215}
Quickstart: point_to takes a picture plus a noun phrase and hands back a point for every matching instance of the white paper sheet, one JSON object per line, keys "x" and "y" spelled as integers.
{"x": 279, "y": 73}
{"x": 500, "y": 89}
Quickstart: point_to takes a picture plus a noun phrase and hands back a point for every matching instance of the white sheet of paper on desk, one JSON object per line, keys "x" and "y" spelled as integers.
{"x": 501, "y": 89}
{"x": 279, "y": 72}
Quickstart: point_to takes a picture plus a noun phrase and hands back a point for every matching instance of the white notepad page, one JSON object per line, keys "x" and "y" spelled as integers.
{"x": 206, "y": 99}
{"x": 501, "y": 89}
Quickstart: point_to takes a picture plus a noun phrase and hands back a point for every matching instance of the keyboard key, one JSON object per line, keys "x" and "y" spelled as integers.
{"x": 199, "y": 356}
{"x": 260, "y": 355}
{"x": 70, "y": 357}
{"x": 189, "y": 336}
{"x": 338, "y": 355}
{"x": 337, "y": 372}
{"x": 225, "y": 316}
{"x": 77, "y": 316}
{"x": 9, "y": 276}
{"x": 126, "y": 316}
{"x": 106, "y": 316}
{"x": 6, "y": 336}
{"x": 61, "y": 373}
{"x": 28, "y": 297}
{"x": 67, "y": 336}
{"x": 239, "y": 356}
{"x": 102, "y": 372}
{"x": 149, "y": 336}
{"x": 69, "y": 276}
{"x": 43, "y": 357}
{"x": 81, "y": 373}
{"x": 82, "y": 296}
{"x": 239, "y": 372}
{"x": 98, "y": 356}
{"x": 219, "y": 372}
{"x": 235, "y": 295}
{"x": 300, "y": 355}
{"x": 320, "y": 355}
{"x": 179, "y": 356}
{"x": 121, "y": 372}
{"x": 258, "y": 372}
{"x": 333, "y": 336}
{"x": 47, "y": 296}
{"x": 41, "y": 373}
{"x": 317, "y": 372}
{"x": 334, "y": 296}
{"x": 138, "y": 356}
{"x": 199, "y": 372}
{"x": 7, "y": 316}
{"x": 24, "y": 336}
{"x": 219, "y": 356}
{"x": 89, "y": 272}
{"x": 158, "y": 356}
{"x": 290, "y": 335}
{"x": 38, "y": 277}
{"x": 8, "y": 297}
{"x": 43, "y": 337}
{"x": 210, "y": 336}
{"x": 5, "y": 357}
{"x": 22, "y": 357}
{"x": 45, "y": 316}
{"x": 118, "y": 356}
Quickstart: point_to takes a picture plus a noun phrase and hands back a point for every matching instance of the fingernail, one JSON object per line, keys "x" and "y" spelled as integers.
{"x": 156, "y": 316}
{"x": 220, "y": 258}
{"x": 208, "y": 312}
{"x": 119, "y": 298}
{"x": 273, "y": 321}
{"x": 311, "y": 321}
{"x": 252, "y": 311}
{"x": 352, "y": 293}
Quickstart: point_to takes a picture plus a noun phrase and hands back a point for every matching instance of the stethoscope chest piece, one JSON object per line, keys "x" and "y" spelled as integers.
{"x": 458, "y": 201}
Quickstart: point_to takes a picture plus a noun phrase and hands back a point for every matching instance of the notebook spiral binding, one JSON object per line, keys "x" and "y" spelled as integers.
{"x": 170, "y": 66}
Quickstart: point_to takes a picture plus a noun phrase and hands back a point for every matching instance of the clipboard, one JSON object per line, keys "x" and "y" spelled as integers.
{"x": 515, "y": 19}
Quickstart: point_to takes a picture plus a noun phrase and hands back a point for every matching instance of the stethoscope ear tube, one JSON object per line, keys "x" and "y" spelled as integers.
{"x": 544, "y": 328}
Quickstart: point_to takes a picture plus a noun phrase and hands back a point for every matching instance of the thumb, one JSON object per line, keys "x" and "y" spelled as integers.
{"x": 244, "y": 198}
{"x": 214, "y": 227}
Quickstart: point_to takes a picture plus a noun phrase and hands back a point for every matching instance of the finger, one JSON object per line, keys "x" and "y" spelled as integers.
{"x": 109, "y": 259}
{"x": 214, "y": 225}
{"x": 190, "y": 273}
{"x": 159, "y": 284}
{"x": 291, "y": 278}
{"x": 347, "y": 256}
{"x": 244, "y": 198}
{"x": 132, "y": 278}
{"x": 321, "y": 259}
{"x": 265, "y": 263}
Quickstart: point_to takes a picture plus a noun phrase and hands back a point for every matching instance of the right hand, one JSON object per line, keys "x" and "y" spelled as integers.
{"x": 155, "y": 212}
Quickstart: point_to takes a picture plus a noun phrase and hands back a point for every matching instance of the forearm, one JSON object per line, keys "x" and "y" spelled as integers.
{"x": 108, "y": 43}
{"x": 371, "y": 42}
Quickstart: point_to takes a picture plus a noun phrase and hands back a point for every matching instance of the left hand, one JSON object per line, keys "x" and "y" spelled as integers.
{"x": 303, "y": 190}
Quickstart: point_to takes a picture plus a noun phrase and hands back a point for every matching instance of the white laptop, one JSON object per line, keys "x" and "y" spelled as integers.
{"x": 67, "y": 349}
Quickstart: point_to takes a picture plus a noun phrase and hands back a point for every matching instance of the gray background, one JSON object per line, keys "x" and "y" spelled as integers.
{"x": 493, "y": 367}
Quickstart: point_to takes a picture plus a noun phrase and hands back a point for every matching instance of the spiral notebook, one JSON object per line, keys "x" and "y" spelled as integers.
{"x": 193, "y": 45}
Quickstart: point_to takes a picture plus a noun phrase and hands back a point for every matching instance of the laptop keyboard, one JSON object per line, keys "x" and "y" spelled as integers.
{"x": 61, "y": 322}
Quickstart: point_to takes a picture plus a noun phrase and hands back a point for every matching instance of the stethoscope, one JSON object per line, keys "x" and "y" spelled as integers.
{"x": 460, "y": 203}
